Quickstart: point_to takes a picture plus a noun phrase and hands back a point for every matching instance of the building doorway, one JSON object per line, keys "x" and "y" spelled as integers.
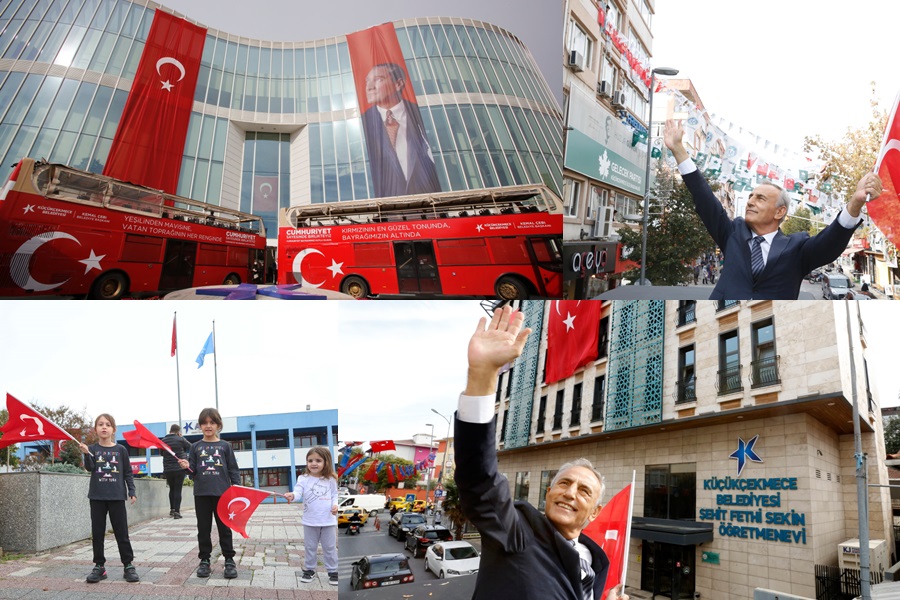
{"x": 667, "y": 570}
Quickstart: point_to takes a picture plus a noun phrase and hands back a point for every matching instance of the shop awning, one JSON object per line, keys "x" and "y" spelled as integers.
{"x": 671, "y": 531}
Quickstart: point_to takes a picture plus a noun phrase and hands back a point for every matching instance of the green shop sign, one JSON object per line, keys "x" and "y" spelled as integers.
{"x": 596, "y": 161}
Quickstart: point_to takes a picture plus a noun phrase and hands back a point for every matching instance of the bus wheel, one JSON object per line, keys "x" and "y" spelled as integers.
{"x": 109, "y": 286}
{"x": 511, "y": 288}
{"x": 355, "y": 286}
{"x": 232, "y": 279}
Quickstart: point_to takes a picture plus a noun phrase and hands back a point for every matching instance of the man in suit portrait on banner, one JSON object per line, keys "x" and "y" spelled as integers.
{"x": 760, "y": 261}
{"x": 399, "y": 154}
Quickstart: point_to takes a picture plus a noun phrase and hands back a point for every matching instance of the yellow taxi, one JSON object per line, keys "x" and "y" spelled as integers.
{"x": 344, "y": 516}
{"x": 398, "y": 502}
{"x": 419, "y": 506}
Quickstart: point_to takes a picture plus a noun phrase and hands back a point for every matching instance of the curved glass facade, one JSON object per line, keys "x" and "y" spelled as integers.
{"x": 284, "y": 113}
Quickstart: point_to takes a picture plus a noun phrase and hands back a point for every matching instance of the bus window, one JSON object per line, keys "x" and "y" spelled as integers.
{"x": 142, "y": 248}
{"x": 509, "y": 251}
{"x": 472, "y": 251}
{"x": 373, "y": 255}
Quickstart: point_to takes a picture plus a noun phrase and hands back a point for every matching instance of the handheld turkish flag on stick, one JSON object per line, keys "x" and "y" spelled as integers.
{"x": 237, "y": 504}
{"x": 142, "y": 437}
{"x": 612, "y": 530}
{"x": 885, "y": 210}
{"x": 28, "y": 425}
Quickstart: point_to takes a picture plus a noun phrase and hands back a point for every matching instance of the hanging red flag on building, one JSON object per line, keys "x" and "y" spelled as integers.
{"x": 612, "y": 530}
{"x": 27, "y": 425}
{"x": 382, "y": 446}
{"x": 573, "y": 334}
{"x": 149, "y": 143}
{"x": 885, "y": 210}
{"x": 372, "y": 473}
{"x": 237, "y": 504}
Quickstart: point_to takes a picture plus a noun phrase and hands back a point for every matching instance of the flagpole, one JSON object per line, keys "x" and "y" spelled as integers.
{"x": 215, "y": 368}
{"x": 628, "y": 531}
{"x": 177, "y": 370}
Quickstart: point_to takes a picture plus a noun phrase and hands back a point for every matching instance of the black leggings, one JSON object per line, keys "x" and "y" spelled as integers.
{"x": 205, "y": 507}
{"x": 118, "y": 518}
{"x": 175, "y": 480}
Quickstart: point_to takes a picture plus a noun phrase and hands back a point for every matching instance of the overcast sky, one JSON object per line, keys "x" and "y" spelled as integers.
{"x": 538, "y": 23}
{"x": 784, "y": 69}
{"x": 383, "y": 364}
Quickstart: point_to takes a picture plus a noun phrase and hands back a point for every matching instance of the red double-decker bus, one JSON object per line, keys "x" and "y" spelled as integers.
{"x": 67, "y": 232}
{"x": 497, "y": 242}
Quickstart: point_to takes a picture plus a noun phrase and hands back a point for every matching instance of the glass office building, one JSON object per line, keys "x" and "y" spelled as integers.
{"x": 282, "y": 113}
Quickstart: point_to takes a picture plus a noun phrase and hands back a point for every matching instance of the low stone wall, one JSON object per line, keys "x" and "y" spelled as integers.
{"x": 39, "y": 511}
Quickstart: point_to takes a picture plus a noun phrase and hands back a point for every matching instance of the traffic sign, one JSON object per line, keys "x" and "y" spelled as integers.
{"x": 438, "y": 493}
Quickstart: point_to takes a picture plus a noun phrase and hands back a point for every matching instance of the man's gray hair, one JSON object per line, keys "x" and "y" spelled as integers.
{"x": 784, "y": 199}
{"x": 581, "y": 462}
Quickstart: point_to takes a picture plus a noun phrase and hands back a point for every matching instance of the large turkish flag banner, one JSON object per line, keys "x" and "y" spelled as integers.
{"x": 885, "y": 210}
{"x": 573, "y": 334}
{"x": 149, "y": 142}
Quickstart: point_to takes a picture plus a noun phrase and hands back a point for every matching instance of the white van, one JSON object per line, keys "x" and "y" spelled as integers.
{"x": 371, "y": 503}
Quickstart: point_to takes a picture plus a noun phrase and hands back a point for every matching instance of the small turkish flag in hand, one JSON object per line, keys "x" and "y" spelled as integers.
{"x": 237, "y": 504}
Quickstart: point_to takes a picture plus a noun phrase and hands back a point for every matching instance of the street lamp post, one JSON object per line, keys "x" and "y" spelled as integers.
{"x": 446, "y": 443}
{"x": 428, "y": 471}
{"x": 661, "y": 71}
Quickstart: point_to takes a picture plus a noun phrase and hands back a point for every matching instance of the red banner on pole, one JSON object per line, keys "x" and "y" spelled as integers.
{"x": 149, "y": 142}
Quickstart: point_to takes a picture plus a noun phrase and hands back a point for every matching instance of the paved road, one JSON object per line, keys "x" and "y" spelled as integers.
{"x": 269, "y": 564}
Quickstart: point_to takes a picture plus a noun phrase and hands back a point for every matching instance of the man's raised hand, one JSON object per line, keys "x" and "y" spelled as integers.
{"x": 674, "y": 133}
{"x": 491, "y": 347}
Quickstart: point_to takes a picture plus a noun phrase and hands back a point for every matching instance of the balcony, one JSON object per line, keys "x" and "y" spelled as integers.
{"x": 685, "y": 391}
{"x": 726, "y": 304}
{"x": 687, "y": 313}
{"x": 728, "y": 380}
{"x": 765, "y": 372}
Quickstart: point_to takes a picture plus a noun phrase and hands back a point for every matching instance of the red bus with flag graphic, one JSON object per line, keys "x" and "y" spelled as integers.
{"x": 73, "y": 233}
{"x": 503, "y": 242}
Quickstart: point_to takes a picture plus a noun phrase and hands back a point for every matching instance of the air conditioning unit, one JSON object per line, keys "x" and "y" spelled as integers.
{"x": 848, "y": 555}
{"x": 618, "y": 99}
{"x": 604, "y": 88}
{"x": 576, "y": 61}
{"x": 603, "y": 222}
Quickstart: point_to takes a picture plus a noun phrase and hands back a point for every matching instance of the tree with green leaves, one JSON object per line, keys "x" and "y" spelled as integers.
{"x": 675, "y": 237}
{"x": 892, "y": 435}
{"x": 452, "y": 510}
{"x": 850, "y": 158}
{"x": 77, "y": 423}
{"x": 800, "y": 221}
{"x": 8, "y": 455}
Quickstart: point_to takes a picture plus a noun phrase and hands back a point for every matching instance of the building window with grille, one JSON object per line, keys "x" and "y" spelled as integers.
{"x": 509, "y": 382}
{"x": 603, "y": 338}
{"x": 575, "y": 418}
{"x": 580, "y": 41}
{"x": 687, "y": 312}
{"x": 729, "y": 379}
{"x": 558, "y": 413}
{"x": 764, "y": 367}
{"x": 522, "y": 486}
{"x": 503, "y": 427}
{"x": 546, "y": 480}
{"x": 542, "y": 415}
{"x": 686, "y": 376}
{"x": 597, "y": 404}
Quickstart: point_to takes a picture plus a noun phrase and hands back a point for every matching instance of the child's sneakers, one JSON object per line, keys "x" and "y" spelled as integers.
{"x": 333, "y": 578}
{"x": 230, "y": 569}
{"x": 203, "y": 569}
{"x": 131, "y": 575}
{"x": 307, "y": 576}
{"x": 97, "y": 574}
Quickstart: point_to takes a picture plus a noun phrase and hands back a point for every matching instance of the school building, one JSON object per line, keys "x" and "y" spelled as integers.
{"x": 737, "y": 421}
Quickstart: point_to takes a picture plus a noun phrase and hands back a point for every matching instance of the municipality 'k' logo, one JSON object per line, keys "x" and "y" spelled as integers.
{"x": 744, "y": 453}
{"x": 604, "y": 164}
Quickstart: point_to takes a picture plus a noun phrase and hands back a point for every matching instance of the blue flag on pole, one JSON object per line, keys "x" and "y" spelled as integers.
{"x": 208, "y": 348}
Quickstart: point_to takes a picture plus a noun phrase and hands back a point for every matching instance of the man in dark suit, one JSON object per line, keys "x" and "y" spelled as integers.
{"x": 398, "y": 149}
{"x": 760, "y": 261}
{"x": 525, "y": 554}
{"x": 172, "y": 470}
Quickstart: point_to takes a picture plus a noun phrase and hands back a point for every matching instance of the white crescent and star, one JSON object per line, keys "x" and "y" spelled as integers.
{"x": 263, "y": 187}
{"x": 40, "y": 425}
{"x": 168, "y": 60}
{"x": 20, "y": 264}
{"x": 570, "y": 318}
{"x": 241, "y": 499}
{"x": 298, "y": 264}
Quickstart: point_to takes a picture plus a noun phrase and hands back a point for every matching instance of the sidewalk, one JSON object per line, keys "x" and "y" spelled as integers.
{"x": 269, "y": 562}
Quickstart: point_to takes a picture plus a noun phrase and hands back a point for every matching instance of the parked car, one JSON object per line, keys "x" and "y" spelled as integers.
{"x": 403, "y": 523}
{"x": 399, "y": 503}
{"x": 420, "y": 506}
{"x": 344, "y": 516}
{"x": 379, "y": 570}
{"x": 835, "y": 286}
{"x": 452, "y": 559}
{"x": 423, "y": 536}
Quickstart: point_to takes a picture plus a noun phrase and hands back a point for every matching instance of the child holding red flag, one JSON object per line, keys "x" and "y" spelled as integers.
{"x": 317, "y": 490}
{"x": 111, "y": 483}
{"x": 214, "y": 469}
